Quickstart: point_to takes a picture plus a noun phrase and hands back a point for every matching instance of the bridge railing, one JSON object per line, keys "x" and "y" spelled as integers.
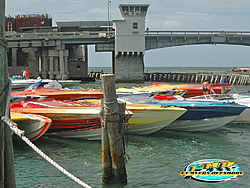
{"x": 197, "y": 33}
{"x": 59, "y": 35}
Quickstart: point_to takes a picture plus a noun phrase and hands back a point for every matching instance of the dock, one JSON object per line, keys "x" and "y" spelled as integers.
{"x": 234, "y": 78}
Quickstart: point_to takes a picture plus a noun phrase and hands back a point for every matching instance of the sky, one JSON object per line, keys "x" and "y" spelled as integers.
{"x": 163, "y": 15}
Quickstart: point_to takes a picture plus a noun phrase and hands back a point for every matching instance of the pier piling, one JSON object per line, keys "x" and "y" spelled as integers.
{"x": 7, "y": 173}
{"x": 112, "y": 115}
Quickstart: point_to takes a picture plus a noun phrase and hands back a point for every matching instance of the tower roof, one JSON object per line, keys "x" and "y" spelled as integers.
{"x": 133, "y": 9}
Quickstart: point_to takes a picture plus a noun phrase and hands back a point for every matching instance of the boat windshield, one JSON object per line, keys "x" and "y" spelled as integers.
{"x": 215, "y": 97}
{"x": 136, "y": 98}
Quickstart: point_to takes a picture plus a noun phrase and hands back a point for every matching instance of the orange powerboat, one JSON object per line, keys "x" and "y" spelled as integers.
{"x": 59, "y": 94}
{"x": 192, "y": 89}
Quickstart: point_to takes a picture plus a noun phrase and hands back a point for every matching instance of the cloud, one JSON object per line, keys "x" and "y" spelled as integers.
{"x": 171, "y": 24}
{"x": 98, "y": 11}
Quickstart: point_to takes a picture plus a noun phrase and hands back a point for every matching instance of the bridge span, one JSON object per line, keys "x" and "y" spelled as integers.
{"x": 161, "y": 39}
{"x": 106, "y": 41}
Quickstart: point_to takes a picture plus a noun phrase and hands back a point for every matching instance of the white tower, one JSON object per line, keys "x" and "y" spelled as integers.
{"x": 130, "y": 43}
{"x": 130, "y": 31}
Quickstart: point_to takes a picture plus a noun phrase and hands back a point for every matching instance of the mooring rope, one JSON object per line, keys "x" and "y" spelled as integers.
{"x": 111, "y": 110}
{"x": 20, "y": 133}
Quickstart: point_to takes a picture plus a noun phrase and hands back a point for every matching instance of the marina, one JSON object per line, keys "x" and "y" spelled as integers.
{"x": 164, "y": 154}
{"x": 127, "y": 125}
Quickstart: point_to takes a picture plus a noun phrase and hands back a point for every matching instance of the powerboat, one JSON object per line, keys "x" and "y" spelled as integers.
{"x": 21, "y": 84}
{"x": 200, "y": 116}
{"x": 68, "y": 121}
{"x": 146, "y": 119}
{"x": 242, "y": 99}
{"x": 59, "y": 94}
{"x": 191, "y": 89}
{"x": 34, "y": 126}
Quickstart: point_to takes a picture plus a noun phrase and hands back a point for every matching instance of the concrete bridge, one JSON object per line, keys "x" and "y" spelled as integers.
{"x": 105, "y": 41}
{"x": 54, "y": 54}
{"x": 45, "y": 39}
{"x": 53, "y": 49}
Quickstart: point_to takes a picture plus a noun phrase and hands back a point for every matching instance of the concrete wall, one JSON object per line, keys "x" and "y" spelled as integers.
{"x": 129, "y": 69}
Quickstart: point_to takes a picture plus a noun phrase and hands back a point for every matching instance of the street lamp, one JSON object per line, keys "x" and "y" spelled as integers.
{"x": 109, "y": 16}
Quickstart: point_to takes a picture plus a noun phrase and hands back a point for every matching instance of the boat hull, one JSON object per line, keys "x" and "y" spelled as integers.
{"x": 244, "y": 117}
{"x": 148, "y": 119}
{"x": 202, "y": 125}
{"x": 192, "y": 90}
{"x": 196, "y": 111}
{"x": 33, "y": 125}
{"x": 58, "y": 94}
{"x": 69, "y": 122}
{"x": 206, "y": 118}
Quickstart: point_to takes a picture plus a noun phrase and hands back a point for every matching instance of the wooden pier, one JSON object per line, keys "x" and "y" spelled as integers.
{"x": 190, "y": 77}
{"x": 235, "y": 79}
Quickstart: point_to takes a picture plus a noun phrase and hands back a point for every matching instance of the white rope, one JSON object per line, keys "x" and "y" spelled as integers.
{"x": 20, "y": 133}
{"x": 111, "y": 110}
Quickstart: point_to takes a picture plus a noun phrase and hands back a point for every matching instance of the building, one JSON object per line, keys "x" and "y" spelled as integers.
{"x": 30, "y": 20}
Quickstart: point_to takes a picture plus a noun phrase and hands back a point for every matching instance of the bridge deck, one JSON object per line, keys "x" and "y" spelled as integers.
{"x": 153, "y": 39}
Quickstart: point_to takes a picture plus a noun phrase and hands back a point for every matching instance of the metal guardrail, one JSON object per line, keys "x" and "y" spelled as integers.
{"x": 221, "y": 32}
{"x": 13, "y": 36}
{"x": 240, "y": 34}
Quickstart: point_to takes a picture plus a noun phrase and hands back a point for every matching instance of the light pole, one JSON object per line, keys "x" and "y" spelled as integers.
{"x": 108, "y": 19}
{"x": 109, "y": 14}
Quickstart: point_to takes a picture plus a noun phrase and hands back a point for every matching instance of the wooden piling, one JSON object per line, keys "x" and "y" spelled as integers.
{"x": 189, "y": 78}
{"x": 7, "y": 173}
{"x": 151, "y": 77}
{"x": 230, "y": 79}
{"x": 212, "y": 79}
{"x": 113, "y": 113}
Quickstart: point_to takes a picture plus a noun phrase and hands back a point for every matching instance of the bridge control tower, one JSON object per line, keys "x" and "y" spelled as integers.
{"x": 130, "y": 43}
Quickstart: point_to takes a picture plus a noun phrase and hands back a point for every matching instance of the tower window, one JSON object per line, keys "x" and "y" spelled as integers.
{"x": 144, "y": 10}
{"x": 134, "y": 10}
{"x": 135, "y": 25}
{"x": 125, "y": 10}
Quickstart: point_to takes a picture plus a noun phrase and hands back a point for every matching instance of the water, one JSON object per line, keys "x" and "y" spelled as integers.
{"x": 155, "y": 160}
{"x": 167, "y": 69}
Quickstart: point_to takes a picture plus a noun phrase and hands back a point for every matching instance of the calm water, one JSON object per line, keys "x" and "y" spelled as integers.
{"x": 155, "y": 160}
{"x": 167, "y": 69}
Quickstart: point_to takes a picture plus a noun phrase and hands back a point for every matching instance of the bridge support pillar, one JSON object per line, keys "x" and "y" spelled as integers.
{"x": 51, "y": 67}
{"x": 78, "y": 61}
{"x": 14, "y": 57}
{"x": 129, "y": 68}
{"x": 54, "y": 63}
{"x": 61, "y": 62}
{"x": 44, "y": 64}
